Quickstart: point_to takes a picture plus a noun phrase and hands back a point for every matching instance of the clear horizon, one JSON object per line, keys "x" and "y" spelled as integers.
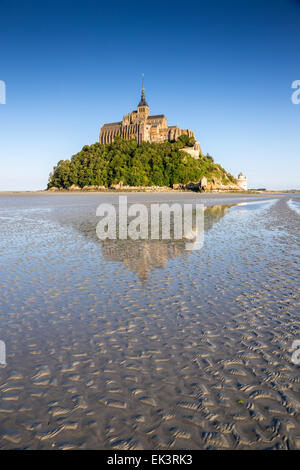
{"x": 223, "y": 69}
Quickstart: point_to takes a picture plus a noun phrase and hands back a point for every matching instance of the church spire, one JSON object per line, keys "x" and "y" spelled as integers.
{"x": 143, "y": 101}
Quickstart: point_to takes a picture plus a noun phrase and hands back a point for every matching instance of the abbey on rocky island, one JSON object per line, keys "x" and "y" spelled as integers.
{"x": 139, "y": 125}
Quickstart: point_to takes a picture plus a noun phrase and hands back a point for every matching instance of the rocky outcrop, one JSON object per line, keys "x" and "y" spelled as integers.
{"x": 74, "y": 188}
{"x": 178, "y": 186}
{"x": 202, "y": 185}
{"x": 118, "y": 187}
{"x": 214, "y": 185}
{"x": 93, "y": 188}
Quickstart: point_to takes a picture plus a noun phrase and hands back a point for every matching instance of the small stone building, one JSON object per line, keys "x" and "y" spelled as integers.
{"x": 194, "y": 151}
{"x": 242, "y": 182}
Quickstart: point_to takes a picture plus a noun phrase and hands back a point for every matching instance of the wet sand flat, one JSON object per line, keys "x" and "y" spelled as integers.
{"x": 144, "y": 345}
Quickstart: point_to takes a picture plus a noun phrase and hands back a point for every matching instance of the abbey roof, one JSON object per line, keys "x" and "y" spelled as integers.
{"x": 155, "y": 116}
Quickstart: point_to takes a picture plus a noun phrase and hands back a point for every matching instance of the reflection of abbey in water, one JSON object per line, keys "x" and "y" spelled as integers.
{"x": 142, "y": 256}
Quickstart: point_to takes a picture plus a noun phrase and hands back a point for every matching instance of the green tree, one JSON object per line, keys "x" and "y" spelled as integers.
{"x": 149, "y": 164}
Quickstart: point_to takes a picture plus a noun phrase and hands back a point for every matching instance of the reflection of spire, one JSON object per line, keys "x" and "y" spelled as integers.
{"x": 143, "y": 101}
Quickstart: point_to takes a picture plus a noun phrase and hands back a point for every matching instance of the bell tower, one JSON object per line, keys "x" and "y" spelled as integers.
{"x": 143, "y": 108}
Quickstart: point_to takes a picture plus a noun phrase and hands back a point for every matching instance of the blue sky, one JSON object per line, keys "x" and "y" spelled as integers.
{"x": 223, "y": 68}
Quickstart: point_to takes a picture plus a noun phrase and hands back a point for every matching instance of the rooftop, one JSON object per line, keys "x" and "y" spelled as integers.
{"x": 155, "y": 116}
{"x": 143, "y": 101}
{"x": 111, "y": 124}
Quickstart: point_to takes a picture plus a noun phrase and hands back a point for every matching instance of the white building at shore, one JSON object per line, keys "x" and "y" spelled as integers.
{"x": 242, "y": 182}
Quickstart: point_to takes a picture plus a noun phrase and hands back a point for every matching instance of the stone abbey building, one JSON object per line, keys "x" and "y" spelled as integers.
{"x": 141, "y": 126}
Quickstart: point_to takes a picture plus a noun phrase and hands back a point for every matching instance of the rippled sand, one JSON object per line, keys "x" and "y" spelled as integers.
{"x": 144, "y": 345}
